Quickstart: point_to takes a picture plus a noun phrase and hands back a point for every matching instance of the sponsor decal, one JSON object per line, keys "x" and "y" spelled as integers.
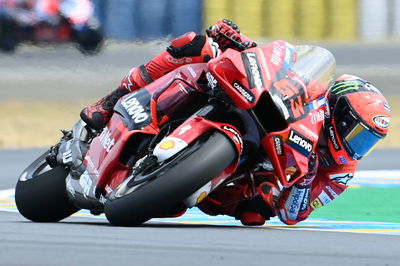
{"x": 294, "y": 201}
{"x": 324, "y": 198}
{"x": 127, "y": 83}
{"x": 212, "y": 82}
{"x": 237, "y": 138}
{"x": 192, "y": 72}
{"x": 202, "y": 196}
{"x": 342, "y": 160}
{"x": 291, "y": 89}
{"x": 387, "y": 107}
{"x": 183, "y": 89}
{"x": 184, "y": 60}
{"x": 381, "y": 121}
{"x": 307, "y": 180}
{"x": 342, "y": 178}
{"x": 315, "y": 204}
{"x": 332, "y": 192}
{"x": 67, "y": 155}
{"x": 372, "y": 88}
{"x": 86, "y": 182}
{"x": 309, "y": 132}
{"x": 167, "y": 145}
{"x": 345, "y": 86}
{"x": 333, "y": 138}
{"x": 245, "y": 92}
{"x": 253, "y": 70}
{"x": 102, "y": 199}
{"x": 276, "y": 56}
{"x": 306, "y": 200}
{"x": 135, "y": 109}
{"x": 278, "y": 145}
{"x": 317, "y": 116}
{"x": 105, "y": 139}
{"x": 184, "y": 129}
{"x": 288, "y": 57}
{"x": 108, "y": 189}
{"x": 300, "y": 143}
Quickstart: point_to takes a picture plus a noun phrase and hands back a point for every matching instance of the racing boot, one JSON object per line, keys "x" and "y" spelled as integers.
{"x": 260, "y": 208}
{"x": 98, "y": 114}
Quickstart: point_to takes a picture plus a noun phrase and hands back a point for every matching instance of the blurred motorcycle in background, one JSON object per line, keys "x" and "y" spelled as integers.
{"x": 49, "y": 22}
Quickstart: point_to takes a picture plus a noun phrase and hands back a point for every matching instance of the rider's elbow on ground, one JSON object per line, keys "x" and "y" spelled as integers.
{"x": 291, "y": 210}
{"x": 296, "y": 203}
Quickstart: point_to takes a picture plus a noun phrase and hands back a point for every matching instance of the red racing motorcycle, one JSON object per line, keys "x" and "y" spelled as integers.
{"x": 183, "y": 136}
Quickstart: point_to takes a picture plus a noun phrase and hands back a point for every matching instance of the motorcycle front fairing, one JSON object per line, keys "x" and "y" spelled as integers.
{"x": 284, "y": 87}
{"x": 299, "y": 91}
{"x": 137, "y": 118}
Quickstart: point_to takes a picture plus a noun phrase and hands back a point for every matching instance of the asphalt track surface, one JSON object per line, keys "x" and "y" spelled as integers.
{"x": 63, "y": 75}
{"x": 84, "y": 240}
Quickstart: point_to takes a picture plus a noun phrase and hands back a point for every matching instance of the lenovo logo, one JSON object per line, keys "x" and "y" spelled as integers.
{"x": 332, "y": 136}
{"x": 253, "y": 70}
{"x": 300, "y": 143}
{"x": 135, "y": 109}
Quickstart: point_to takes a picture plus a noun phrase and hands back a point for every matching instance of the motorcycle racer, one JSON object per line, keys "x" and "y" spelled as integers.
{"x": 358, "y": 118}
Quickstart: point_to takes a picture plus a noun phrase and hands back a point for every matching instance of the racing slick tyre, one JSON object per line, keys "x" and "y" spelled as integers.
{"x": 168, "y": 184}
{"x": 41, "y": 194}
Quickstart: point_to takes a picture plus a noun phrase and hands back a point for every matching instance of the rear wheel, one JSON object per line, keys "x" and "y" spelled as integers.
{"x": 167, "y": 185}
{"x": 41, "y": 194}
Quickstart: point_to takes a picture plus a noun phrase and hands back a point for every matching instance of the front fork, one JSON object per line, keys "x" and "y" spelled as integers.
{"x": 71, "y": 149}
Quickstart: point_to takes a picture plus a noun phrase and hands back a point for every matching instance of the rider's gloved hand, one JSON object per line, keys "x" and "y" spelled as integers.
{"x": 227, "y": 28}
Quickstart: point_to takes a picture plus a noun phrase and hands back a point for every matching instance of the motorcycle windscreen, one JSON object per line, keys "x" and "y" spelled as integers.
{"x": 316, "y": 63}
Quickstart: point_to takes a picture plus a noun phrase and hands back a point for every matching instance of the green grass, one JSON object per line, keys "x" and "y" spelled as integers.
{"x": 363, "y": 204}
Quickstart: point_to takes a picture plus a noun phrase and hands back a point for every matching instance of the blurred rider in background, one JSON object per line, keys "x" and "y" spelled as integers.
{"x": 359, "y": 119}
{"x": 32, "y": 12}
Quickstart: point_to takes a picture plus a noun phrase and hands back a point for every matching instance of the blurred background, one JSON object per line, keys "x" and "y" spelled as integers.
{"x": 56, "y": 56}
{"x": 337, "y": 20}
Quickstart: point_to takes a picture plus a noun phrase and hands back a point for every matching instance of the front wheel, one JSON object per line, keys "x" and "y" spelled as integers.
{"x": 175, "y": 181}
{"x": 41, "y": 195}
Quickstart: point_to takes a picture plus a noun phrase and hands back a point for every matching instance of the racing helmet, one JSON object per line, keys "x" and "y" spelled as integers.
{"x": 359, "y": 118}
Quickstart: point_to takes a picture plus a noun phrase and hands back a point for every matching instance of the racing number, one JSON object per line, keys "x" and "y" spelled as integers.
{"x": 293, "y": 96}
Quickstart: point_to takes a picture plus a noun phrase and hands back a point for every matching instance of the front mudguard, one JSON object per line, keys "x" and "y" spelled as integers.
{"x": 188, "y": 132}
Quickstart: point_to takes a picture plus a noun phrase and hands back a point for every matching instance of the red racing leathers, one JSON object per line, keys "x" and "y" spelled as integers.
{"x": 297, "y": 202}
{"x": 251, "y": 202}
